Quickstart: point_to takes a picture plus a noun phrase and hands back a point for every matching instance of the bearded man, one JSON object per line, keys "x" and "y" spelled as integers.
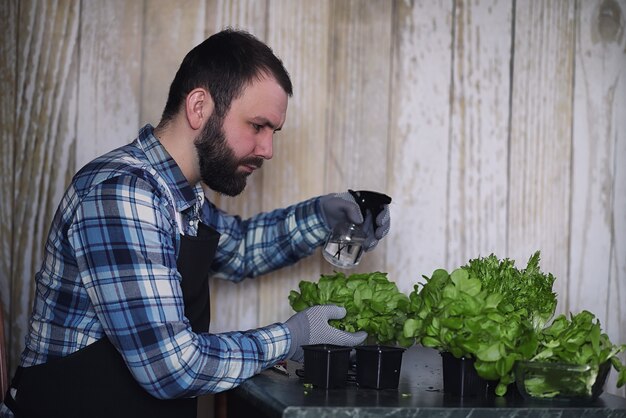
{"x": 120, "y": 322}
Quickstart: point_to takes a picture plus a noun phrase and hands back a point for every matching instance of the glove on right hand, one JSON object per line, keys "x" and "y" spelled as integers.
{"x": 310, "y": 326}
{"x": 341, "y": 207}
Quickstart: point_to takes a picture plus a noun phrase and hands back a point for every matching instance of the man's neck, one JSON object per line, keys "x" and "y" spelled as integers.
{"x": 178, "y": 141}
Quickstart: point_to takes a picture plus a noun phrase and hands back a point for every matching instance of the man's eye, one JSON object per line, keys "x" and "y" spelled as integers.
{"x": 257, "y": 127}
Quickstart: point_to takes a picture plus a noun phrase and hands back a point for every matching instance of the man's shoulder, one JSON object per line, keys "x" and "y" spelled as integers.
{"x": 119, "y": 163}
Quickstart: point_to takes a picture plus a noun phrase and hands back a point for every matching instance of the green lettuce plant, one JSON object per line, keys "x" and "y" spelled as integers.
{"x": 455, "y": 313}
{"x": 526, "y": 291}
{"x": 373, "y": 304}
{"x": 576, "y": 341}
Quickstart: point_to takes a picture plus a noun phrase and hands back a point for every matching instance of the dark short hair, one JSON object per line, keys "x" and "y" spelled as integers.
{"x": 224, "y": 64}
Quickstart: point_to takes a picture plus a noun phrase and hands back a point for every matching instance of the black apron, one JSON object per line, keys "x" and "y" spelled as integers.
{"x": 94, "y": 382}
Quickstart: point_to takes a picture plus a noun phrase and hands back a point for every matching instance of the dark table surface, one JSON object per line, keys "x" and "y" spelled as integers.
{"x": 420, "y": 393}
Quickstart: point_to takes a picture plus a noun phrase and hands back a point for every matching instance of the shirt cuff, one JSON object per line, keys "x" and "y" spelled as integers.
{"x": 310, "y": 222}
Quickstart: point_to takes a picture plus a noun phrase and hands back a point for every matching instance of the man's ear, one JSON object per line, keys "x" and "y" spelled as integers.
{"x": 198, "y": 107}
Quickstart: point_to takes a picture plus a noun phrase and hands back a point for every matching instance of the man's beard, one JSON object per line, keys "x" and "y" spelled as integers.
{"x": 218, "y": 164}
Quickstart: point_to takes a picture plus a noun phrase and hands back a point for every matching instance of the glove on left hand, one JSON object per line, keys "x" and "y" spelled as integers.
{"x": 311, "y": 326}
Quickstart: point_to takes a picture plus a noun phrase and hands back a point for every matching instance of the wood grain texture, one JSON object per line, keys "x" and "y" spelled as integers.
{"x": 597, "y": 268}
{"x": 8, "y": 82}
{"x": 44, "y": 135}
{"x": 170, "y": 30}
{"x": 419, "y": 139}
{"x": 298, "y": 33}
{"x": 477, "y": 205}
{"x": 110, "y": 76}
{"x": 236, "y": 305}
{"x": 496, "y": 126}
{"x": 358, "y": 106}
{"x": 541, "y": 135}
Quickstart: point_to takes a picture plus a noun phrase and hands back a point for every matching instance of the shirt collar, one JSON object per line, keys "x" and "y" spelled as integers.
{"x": 184, "y": 194}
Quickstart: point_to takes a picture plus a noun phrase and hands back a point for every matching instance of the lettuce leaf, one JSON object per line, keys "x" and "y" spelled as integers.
{"x": 528, "y": 291}
{"x": 373, "y": 304}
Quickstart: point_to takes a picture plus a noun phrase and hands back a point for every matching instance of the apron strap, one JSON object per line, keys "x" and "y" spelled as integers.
{"x": 9, "y": 400}
{"x": 10, "y": 403}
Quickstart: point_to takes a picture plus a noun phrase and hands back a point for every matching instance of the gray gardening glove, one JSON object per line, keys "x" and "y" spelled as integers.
{"x": 310, "y": 326}
{"x": 341, "y": 207}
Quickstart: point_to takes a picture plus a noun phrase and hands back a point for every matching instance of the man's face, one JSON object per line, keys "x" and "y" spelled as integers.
{"x": 230, "y": 149}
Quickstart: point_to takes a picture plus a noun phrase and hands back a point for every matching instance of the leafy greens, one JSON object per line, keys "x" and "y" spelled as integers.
{"x": 487, "y": 310}
{"x": 373, "y": 304}
{"x": 578, "y": 341}
{"x": 456, "y": 313}
{"x": 528, "y": 291}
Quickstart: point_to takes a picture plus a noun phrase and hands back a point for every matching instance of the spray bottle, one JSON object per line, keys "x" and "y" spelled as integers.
{"x": 344, "y": 245}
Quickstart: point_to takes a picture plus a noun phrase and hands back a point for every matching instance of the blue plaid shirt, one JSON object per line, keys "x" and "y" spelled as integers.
{"x": 110, "y": 269}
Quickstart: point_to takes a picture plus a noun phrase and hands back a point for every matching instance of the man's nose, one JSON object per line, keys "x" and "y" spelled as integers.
{"x": 264, "y": 146}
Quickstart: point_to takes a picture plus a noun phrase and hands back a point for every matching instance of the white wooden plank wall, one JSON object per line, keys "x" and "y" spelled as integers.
{"x": 597, "y": 252}
{"x": 419, "y": 132}
{"x": 109, "y": 76}
{"x": 495, "y": 125}
{"x": 298, "y": 31}
{"x": 541, "y": 141}
{"x": 477, "y": 168}
{"x": 236, "y": 306}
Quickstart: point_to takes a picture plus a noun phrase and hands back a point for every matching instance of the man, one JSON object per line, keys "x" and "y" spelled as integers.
{"x": 120, "y": 322}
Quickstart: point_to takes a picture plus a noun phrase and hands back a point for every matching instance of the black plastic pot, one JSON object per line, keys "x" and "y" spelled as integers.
{"x": 460, "y": 377}
{"x": 326, "y": 365}
{"x": 378, "y": 366}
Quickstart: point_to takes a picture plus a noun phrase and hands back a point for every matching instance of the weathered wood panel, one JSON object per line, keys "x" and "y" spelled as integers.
{"x": 298, "y": 33}
{"x": 419, "y": 139}
{"x": 358, "y": 124}
{"x": 170, "y": 30}
{"x": 44, "y": 132}
{"x": 236, "y": 305}
{"x": 597, "y": 267}
{"x": 615, "y": 324}
{"x": 478, "y": 171}
{"x": 110, "y": 77}
{"x": 8, "y": 116}
{"x": 496, "y": 126}
{"x": 541, "y": 135}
